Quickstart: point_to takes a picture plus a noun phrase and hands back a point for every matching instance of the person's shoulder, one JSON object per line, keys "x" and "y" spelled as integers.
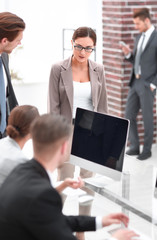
{"x": 155, "y": 32}
{"x": 57, "y": 64}
{"x": 8, "y": 147}
{"x": 31, "y": 173}
{"x": 96, "y": 66}
{"x": 3, "y": 140}
{"x": 5, "y": 55}
{"x": 62, "y": 64}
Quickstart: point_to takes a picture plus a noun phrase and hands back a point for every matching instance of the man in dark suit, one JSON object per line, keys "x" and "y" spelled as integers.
{"x": 143, "y": 82}
{"x": 30, "y": 208}
{"x": 11, "y": 33}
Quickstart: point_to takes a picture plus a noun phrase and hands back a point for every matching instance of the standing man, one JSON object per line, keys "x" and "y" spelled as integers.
{"x": 11, "y": 33}
{"x": 30, "y": 208}
{"x": 143, "y": 82}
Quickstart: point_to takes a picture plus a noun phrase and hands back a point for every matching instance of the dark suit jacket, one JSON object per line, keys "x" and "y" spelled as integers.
{"x": 12, "y": 101}
{"x": 148, "y": 60}
{"x": 31, "y": 209}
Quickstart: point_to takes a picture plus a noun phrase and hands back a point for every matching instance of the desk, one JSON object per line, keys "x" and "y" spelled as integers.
{"x": 133, "y": 194}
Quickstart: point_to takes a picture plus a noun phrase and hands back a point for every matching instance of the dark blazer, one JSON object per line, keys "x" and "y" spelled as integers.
{"x": 31, "y": 209}
{"x": 148, "y": 60}
{"x": 60, "y": 96}
{"x": 12, "y": 101}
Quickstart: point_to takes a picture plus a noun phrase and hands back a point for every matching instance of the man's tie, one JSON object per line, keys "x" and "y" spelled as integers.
{"x": 2, "y": 100}
{"x": 138, "y": 58}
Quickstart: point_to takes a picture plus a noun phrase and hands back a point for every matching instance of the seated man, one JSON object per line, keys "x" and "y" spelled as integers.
{"x": 30, "y": 208}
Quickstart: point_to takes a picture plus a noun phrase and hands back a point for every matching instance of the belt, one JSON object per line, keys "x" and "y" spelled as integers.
{"x": 137, "y": 76}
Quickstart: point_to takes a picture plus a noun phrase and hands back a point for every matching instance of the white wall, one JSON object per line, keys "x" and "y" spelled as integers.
{"x": 42, "y": 42}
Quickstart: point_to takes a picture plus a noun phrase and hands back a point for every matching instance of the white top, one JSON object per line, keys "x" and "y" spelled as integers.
{"x": 10, "y": 156}
{"x": 82, "y": 96}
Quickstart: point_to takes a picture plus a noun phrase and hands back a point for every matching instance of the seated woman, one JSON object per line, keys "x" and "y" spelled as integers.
{"x": 18, "y": 133}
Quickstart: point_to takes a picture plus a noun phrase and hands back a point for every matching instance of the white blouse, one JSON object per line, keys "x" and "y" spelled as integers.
{"x": 10, "y": 156}
{"x": 82, "y": 96}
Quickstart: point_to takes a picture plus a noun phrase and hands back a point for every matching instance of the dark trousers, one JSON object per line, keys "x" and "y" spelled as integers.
{"x": 141, "y": 97}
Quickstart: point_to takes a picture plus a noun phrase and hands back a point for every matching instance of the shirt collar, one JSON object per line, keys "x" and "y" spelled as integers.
{"x": 149, "y": 31}
{"x": 51, "y": 176}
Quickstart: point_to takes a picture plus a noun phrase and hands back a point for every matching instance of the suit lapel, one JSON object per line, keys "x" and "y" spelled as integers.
{"x": 95, "y": 83}
{"x": 12, "y": 101}
{"x": 5, "y": 63}
{"x": 149, "y": 41}
{"x": 66, "y": 75}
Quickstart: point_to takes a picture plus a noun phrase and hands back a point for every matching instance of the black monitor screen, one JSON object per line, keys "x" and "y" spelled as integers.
{"x": 155, "y": 190}
{"x": 100, "y": 138}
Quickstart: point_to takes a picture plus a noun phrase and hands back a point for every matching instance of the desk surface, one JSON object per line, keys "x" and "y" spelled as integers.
{"x": 132, "y": 194}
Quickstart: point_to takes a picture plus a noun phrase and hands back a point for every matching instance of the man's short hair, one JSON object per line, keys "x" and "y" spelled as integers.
{"x": 142, "y": 13}
{"x": 10, "y": 25}
{"x": 48, "y": 129}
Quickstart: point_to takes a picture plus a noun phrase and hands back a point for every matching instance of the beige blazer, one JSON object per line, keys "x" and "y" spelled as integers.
{"x": 60, "y": 94}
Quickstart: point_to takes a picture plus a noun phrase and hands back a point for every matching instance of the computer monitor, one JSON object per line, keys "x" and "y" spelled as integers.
{"x": 99, "y": 142}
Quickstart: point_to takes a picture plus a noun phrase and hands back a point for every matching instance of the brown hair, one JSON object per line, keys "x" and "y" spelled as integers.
{"x": 84, "y": 32}
{"x": 10, "y": 25}
{"x": 49, "y": 129}
{"x": 142, "y": 13}
{"x": 20, "y": 120}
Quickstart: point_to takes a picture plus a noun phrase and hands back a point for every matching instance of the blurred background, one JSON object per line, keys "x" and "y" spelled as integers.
{"x": 47, "y": 39}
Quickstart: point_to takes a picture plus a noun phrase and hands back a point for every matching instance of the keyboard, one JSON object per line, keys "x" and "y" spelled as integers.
{"x": 141, "y": 236}
{"x": 99, "y": 181}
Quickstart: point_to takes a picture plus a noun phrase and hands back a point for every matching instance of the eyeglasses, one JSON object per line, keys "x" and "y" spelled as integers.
{"x": 80, "y": 48}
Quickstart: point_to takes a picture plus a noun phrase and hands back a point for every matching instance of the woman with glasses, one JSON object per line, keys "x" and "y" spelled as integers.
{"x": 78, "y": 82}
